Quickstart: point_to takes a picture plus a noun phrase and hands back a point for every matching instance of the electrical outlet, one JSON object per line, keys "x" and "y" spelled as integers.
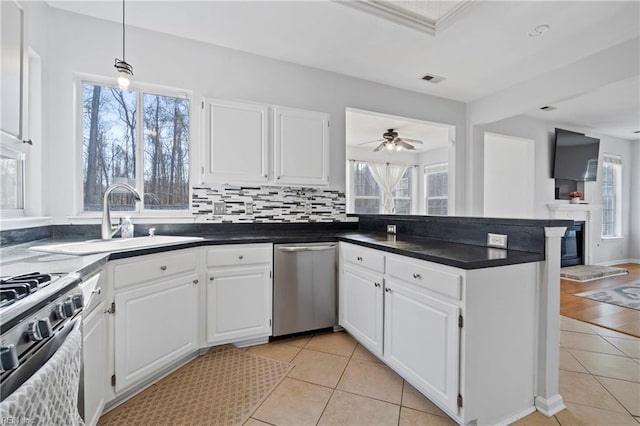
{"x": 307, "y": 207}
{"x": 391, "y": 229}
{"x": 497, "y": 240}
{"x": 220, "y": 207}
{"x": 248, "y": 207}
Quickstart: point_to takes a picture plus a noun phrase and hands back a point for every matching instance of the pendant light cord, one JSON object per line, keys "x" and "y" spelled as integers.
{"x": 123, "y": 43}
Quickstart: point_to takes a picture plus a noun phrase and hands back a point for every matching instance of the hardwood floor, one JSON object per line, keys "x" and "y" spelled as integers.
{"x": 624, "y": 320}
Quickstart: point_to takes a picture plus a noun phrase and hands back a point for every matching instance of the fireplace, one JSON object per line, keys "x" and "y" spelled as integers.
{"x": 572, "y": 245}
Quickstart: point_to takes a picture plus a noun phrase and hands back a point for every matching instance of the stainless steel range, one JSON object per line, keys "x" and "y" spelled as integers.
{"x": 37, "y": 312}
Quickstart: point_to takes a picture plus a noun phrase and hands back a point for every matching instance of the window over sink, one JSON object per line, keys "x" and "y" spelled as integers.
{"x": 135, "y": 136}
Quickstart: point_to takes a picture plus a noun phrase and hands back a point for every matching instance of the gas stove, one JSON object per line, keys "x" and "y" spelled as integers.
{"x": 37, "y": 312}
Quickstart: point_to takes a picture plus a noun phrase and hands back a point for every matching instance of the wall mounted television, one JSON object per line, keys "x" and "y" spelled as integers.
{"x": 576, "y": 156}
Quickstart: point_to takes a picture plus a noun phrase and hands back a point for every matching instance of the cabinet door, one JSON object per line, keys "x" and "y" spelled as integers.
{"x": 94, "y": 351}
{"x": 238, "y": 304}
{"x": 301, "y": 147}
{"x": 236, "y": 142}
{"x": 361, "y": 307}
{"x": 155, "y": 325}
{"x": 11, "y": 68}
{"x": 422, "y": 341}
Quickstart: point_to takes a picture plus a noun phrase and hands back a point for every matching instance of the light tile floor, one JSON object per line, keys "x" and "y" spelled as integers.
{"x": 336, "y": 381}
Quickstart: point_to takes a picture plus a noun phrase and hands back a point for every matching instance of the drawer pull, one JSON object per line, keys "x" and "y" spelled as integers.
{"x": 163, "y": 268}
{"x": 359, "y": 259}
{"x": 241, "y": 257}
{"x": 212, "y": 278}
{"x": 387, "y": 290}
{"x": 376, "y": 284}
{"x": 416, "y": 276}
{"x": 96, "y": 290}
{"x": 195, "y": 281}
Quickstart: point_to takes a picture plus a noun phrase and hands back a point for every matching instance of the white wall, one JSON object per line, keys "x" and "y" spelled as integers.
{"x": 542, "y": 132}
{"x": 508, "y": 177}
{"x": 79, "y": 44}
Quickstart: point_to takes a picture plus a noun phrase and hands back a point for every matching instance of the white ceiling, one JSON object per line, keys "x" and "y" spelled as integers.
{"x": 482, "y": 50}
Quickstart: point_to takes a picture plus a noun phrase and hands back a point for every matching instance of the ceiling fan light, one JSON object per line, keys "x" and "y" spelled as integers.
{"x": 398, "y": 148}
{"x": 389, "y": 146}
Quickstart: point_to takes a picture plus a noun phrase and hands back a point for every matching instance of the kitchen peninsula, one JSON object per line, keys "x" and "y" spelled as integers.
{"x": 496, "y": 310}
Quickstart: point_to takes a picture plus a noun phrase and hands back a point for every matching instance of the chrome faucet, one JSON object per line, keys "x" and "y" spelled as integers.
{"x": 109, "y": 230}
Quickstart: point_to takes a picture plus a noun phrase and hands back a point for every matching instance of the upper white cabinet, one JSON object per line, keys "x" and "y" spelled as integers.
{"x": 12, "y": 69}
{"x": 247, "y": 142}
{"x": 237, "y": 142}
{"x": 301, "y": 147}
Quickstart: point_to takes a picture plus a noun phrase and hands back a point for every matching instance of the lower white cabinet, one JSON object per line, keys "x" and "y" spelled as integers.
{"x": 94, "y": 351}
{"x": 361, "y": 306}
{"x": 422, "y": 340}
{"x": 155, "y": 324}
{"x": 238, "y": 293}
{"x": 466, "y": 339}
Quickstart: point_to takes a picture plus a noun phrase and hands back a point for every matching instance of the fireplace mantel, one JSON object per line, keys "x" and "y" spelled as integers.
{"x": 581, "y": 212}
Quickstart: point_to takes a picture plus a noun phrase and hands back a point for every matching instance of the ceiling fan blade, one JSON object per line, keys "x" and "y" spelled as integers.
{"x": 377, "y": 140}
{"x": 410, "y": 140}
{"x": 404, "y": 144}
{"x": 379, "y": 147}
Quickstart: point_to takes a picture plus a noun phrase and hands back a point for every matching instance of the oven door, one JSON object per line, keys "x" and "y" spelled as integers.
{"x": 45, "y": 385}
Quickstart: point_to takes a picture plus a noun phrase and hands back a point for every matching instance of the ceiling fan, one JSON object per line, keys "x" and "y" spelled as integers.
{"x": 392, "y": 142}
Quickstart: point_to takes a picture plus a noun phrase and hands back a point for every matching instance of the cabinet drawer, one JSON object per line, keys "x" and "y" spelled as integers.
{"x": 241, "y": 254}
{"x": 154, "y": 267}
{"x": 421, "y": 274}
{"x": 361, "y": 256}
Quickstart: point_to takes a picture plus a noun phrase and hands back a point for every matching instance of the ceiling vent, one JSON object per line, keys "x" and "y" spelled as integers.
{"x": 432, "y": 78}
{"x": 548, "y": 108}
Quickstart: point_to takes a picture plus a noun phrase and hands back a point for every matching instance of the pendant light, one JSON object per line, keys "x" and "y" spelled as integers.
{"x": 125, "y": 70}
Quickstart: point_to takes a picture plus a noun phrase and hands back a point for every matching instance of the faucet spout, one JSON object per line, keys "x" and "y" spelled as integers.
{"x": 108, "y": 230}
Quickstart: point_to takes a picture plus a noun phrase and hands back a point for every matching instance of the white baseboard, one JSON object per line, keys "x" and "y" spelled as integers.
{"x": 617, "y": 262}
{"x": 549, "y": 406}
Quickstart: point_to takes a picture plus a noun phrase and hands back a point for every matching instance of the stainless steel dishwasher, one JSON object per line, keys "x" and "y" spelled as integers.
{"x": 304, "y": 287}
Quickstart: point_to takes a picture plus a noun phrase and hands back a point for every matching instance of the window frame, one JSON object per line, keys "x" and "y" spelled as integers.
{"x": 141, "y": 89}
{"x": 426, "y": 198}
{"x": 6, "y": 149}
{"x": 614, "y": 161}
{"x": 363, "y": 197}
{"x": 380, "y": 196}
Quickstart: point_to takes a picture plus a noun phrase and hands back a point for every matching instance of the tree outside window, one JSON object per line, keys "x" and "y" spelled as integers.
{"x": 112, "y": 153}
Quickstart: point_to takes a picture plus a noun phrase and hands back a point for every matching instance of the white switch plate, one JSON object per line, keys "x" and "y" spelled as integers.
{"x": 391, "y": 229}
{"x": 497, "y": 240}
{"x": 220, "y": 208}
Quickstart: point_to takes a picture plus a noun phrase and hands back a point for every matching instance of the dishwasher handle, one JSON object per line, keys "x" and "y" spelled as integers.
{"x": 306, "y": 248}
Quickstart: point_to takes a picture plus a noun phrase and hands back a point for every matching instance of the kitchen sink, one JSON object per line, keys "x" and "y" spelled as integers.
{"x": 116, "y": 244}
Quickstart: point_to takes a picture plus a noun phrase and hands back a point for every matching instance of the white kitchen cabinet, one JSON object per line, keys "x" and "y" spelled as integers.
{"x": 12, "y": 65}
{"x": 301, "y": 147}
{"x": 156, "y": 319}
{"x": 466, "y": 339}
{"x": 243, "y": 145}
{"x": 236, "y": 141}
{"x": 361, "y": 306}
{"x": 422, "y": 340}
{"x": 238, "y": 293}
{"x": 94, "y": 350}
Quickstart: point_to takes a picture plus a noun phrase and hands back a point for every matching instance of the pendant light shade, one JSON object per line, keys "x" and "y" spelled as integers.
{"x": 125, "y": 70}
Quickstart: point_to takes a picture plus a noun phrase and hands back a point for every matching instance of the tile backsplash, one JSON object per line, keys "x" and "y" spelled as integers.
{"x": 267, "y": 204}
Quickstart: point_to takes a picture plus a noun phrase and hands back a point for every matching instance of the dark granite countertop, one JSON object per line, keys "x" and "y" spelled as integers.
{"x": 19, "y": 259}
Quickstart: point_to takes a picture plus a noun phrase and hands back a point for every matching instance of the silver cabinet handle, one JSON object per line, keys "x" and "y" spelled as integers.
{"x": 163, "y": 268}
{"x": 387, "y": 290}
{"x": 212, "y": 278}
{"x": 359, "y": 259}
{"x": 416, "y": 276}
{"x": 241, "y": 257}
{"x": 195, "y": 281}
{"x": 96, "y": 290}
{"x": 376, "y": 284}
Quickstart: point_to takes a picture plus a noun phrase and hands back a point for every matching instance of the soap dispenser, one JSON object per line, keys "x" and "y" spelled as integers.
{"x": 127, "y": 228}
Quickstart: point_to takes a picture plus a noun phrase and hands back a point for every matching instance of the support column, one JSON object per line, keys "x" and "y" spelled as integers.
{"x": 548, "y": 400}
